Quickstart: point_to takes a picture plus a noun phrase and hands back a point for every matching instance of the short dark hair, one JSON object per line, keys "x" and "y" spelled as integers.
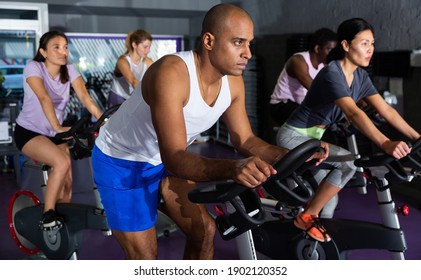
{"x": 321, "y": 37}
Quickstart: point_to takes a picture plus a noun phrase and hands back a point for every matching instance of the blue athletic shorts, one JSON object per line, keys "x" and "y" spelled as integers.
{"x": 128, "y": 190}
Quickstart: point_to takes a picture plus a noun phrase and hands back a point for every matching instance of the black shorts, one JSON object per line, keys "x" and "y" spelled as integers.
{"x": 23, "y": 135}
{"x": 281, "y": 111}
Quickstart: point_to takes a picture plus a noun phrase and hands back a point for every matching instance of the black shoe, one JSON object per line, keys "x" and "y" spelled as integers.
{"x": 51, "y": 220}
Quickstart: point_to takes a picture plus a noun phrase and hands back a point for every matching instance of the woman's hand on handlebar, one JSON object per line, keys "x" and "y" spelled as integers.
{"x": 397, "y": 149}
{"x": 62, "y": 129}
{"x": 322, "y": 154}
{"x": 252, "y": 172}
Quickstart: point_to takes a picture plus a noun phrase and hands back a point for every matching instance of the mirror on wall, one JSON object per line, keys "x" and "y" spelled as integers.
{"x": 95, "y": 56}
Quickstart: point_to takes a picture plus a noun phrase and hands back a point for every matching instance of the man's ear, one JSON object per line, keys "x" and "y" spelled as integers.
{"x": 316, "y": 49}
{"x": 208, "y": 40}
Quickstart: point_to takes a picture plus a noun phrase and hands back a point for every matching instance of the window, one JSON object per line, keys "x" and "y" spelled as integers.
{"x": 96, "y": 55}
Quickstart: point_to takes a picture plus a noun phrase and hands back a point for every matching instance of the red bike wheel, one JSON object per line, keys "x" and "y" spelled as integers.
{"x": 20, "y": 200}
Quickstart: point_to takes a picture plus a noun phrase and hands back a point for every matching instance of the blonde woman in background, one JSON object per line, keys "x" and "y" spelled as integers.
{"x": 130, "y": 67}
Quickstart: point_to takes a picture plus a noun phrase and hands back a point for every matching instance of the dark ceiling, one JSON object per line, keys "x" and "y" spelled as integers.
{"x": 116, "y": 11}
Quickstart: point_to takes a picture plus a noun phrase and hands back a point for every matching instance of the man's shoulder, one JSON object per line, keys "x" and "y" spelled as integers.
{"x": 178, "y": 56}
{"x": 180, "y": 62}
{"x": 295, "y": 64}
{"x": 169, "y": 67}
{"x": 300, "y": 56}
{"x": 174, "y": 58}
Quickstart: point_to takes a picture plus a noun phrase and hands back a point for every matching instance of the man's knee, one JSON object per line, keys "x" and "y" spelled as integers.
{"x": 210, "y": 228}
{"x": 203, "y": 230}
{"x": 139, "y": 245}
{"x": 136, "y": 253}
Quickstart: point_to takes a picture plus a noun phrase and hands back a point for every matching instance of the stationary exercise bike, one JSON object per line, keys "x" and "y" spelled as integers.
{"x": 248, "y": 210}
{"x": 25, "y": 209}
{"x": 280, "y": 239}
{"x": 371, "y": 172}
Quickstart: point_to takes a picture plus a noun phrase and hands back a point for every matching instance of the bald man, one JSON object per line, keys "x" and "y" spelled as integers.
{"x": 141, "y": 152}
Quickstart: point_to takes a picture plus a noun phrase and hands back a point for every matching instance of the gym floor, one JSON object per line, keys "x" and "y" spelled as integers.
{"x": 96, "y": 246}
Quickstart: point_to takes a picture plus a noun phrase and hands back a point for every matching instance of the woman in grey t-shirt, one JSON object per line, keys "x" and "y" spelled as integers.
{"x": 332, "y": 96}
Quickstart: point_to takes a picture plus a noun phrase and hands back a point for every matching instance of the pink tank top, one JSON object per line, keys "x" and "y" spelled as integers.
{"x": 289, "y": 88}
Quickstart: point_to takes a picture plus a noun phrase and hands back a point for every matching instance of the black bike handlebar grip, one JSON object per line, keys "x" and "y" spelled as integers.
{"x": 225, "y": 191}
{"x": 79, "y": 124}
{"x": 63, "y": 135}
{"x": 413, "y": 159}
{"x": 71, "y": 132}
{"x": 295, "y": 158}
{"x": 416, "y": 147}
{"x": 288, "y": 165}
{"x": 375, "y": 160}
{"x": 216, "y": 192}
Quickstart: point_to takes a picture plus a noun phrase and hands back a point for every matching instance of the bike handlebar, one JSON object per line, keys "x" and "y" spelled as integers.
{"x": 249, "y": 213}
{"x": 396, "y": 167}
{"x": 78, "y": 127}
{"x": 384, "y": 159}
{"x": 285, "y": 167}
{"x": 83, "y": 138}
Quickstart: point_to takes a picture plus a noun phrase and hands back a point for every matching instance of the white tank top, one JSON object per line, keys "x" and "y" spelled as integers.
{"x": 130, "y": 135}
{"x": 289, "y": 88}
{"x": 121, "y": 86}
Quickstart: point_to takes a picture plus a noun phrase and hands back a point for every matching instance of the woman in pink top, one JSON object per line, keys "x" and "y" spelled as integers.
{"x": 47, "y": 81}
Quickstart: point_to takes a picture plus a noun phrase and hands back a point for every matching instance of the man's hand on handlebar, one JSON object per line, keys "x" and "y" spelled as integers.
{"x": 252, "y": 172}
